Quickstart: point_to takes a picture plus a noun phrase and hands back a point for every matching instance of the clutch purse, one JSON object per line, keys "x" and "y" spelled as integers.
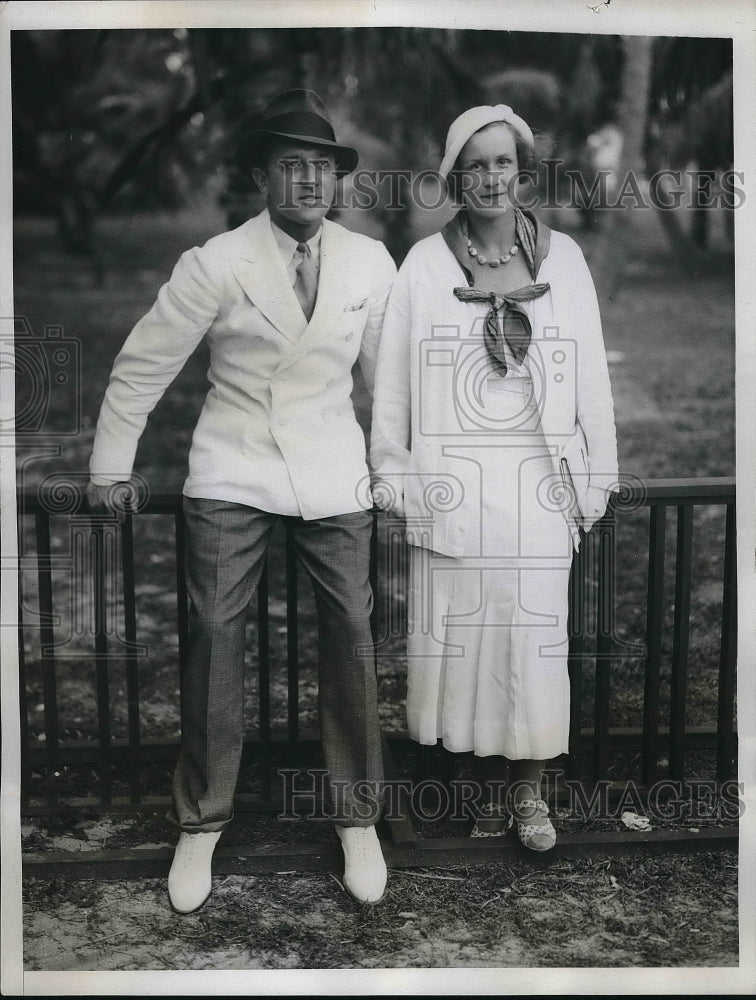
{"x": 573, "y": 462}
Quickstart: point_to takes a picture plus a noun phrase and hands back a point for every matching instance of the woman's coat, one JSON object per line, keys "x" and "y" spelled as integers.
{"x": 427, "y": 414}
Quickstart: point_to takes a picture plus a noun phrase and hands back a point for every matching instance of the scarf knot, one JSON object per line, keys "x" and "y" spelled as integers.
{"x": 515, "y": 326}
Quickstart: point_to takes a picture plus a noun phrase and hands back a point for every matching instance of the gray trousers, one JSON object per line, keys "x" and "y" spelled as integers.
{"x": 226, "y": 546}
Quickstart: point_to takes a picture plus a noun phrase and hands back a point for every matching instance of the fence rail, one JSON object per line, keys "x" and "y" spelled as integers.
{"x": 96, "y": 543}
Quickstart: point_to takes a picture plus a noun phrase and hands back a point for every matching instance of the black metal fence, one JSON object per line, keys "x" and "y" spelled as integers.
{"x": 101, "y": 557}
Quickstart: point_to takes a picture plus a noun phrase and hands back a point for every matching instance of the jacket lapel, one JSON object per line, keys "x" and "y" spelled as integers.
{"x": 261, "y": 272}
{"x": 555, "y": 393}
{"x": 543, "y": 240}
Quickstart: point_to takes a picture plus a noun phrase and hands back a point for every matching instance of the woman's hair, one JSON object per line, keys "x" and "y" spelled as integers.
{"x": 525, "y": 161}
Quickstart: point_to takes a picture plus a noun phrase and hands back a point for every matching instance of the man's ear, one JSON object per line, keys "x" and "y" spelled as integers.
{"x": 260, "y": 178}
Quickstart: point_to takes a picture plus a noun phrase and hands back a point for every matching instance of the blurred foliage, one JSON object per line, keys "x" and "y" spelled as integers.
{"x": 141, "y": 119}
{"x": 87, "y": 107}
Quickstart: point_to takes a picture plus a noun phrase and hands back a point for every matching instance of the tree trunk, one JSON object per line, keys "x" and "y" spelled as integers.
{"x": 632, "y": 113}
{"x": 615, "y": 239}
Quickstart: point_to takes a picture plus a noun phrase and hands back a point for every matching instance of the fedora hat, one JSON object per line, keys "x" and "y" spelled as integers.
{"x": 298, "y": 115}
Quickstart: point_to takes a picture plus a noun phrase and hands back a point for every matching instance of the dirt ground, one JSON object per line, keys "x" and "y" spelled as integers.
{"x": 306, "y": 921}
{"x": 634, "y": 910}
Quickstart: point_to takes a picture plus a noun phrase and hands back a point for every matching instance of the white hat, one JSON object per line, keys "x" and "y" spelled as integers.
{"x": 471, "y": 121}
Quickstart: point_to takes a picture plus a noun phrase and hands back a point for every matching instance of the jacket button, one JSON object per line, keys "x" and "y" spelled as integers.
{"x": 259, "y": 336}
{"x": 349, "y": 336}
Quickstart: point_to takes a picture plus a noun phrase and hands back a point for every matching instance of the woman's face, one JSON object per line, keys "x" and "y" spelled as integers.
{"x": 486, "y": 167}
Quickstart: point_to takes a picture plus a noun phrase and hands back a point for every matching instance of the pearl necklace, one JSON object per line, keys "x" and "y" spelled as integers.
{"x": 496, "y": 260}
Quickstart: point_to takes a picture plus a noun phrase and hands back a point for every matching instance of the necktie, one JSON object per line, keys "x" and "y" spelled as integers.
{"x": 306, "y": 281}
{"x": 515, "y": 326}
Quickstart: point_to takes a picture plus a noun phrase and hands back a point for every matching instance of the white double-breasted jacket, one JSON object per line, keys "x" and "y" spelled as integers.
{"x": 277, "y": 430}
{"x": 426, "y": 410}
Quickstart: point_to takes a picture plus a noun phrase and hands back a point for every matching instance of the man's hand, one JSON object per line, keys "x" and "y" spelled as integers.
{"x": 101, "y": 501}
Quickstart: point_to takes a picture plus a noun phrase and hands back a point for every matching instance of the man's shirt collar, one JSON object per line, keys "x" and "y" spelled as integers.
{"x": 288, "y": 245}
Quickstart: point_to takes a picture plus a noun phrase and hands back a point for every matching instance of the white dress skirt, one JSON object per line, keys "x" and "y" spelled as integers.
{"x": 487, "y": 636}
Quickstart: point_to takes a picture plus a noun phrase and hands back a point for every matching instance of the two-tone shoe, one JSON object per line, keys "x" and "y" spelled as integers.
{"x": 534, "y": 828}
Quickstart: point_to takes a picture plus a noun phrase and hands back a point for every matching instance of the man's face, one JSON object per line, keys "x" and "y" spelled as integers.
{"x": 299, "y": 183}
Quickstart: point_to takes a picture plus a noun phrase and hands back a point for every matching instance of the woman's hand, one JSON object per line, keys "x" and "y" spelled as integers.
{"x": 596, "y": 503}
{"x": 387, "y": 497}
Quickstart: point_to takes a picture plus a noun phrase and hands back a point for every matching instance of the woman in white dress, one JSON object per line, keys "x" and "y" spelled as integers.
{"x": 493, "y": 435}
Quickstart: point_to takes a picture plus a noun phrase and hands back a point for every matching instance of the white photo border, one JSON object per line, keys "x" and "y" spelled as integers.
{"x": 726, "y": 18}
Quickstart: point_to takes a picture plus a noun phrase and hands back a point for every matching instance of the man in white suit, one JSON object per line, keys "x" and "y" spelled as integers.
{"x": 288, "y": 301}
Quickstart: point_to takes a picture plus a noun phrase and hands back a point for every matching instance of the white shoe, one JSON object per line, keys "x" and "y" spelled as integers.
{"x": 190, "y": 880}
{"x": 365, "y": 871}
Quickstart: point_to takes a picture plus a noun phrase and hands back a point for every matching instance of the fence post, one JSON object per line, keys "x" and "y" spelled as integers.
{"x": 47, "y": 651}
{"x": 728, "y": 652}
{"x": 654, "y": 622}
{"x": 102, "y": 543}
{"x": 292, "y": 642}
{"x": 604, "y": 636}
{"x": 263, "y": 669}
{"x": 577, "y": 629}
{"x": 680, "y": 641}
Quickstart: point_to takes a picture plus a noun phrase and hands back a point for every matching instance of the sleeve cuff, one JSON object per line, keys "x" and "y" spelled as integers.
{"x": 101, "y": 480}
{"x": 596, "y": 500}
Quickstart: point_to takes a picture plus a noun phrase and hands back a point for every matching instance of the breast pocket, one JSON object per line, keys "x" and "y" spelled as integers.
{"x": 355, "y": 318}
{"x": 350, "y": 327}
